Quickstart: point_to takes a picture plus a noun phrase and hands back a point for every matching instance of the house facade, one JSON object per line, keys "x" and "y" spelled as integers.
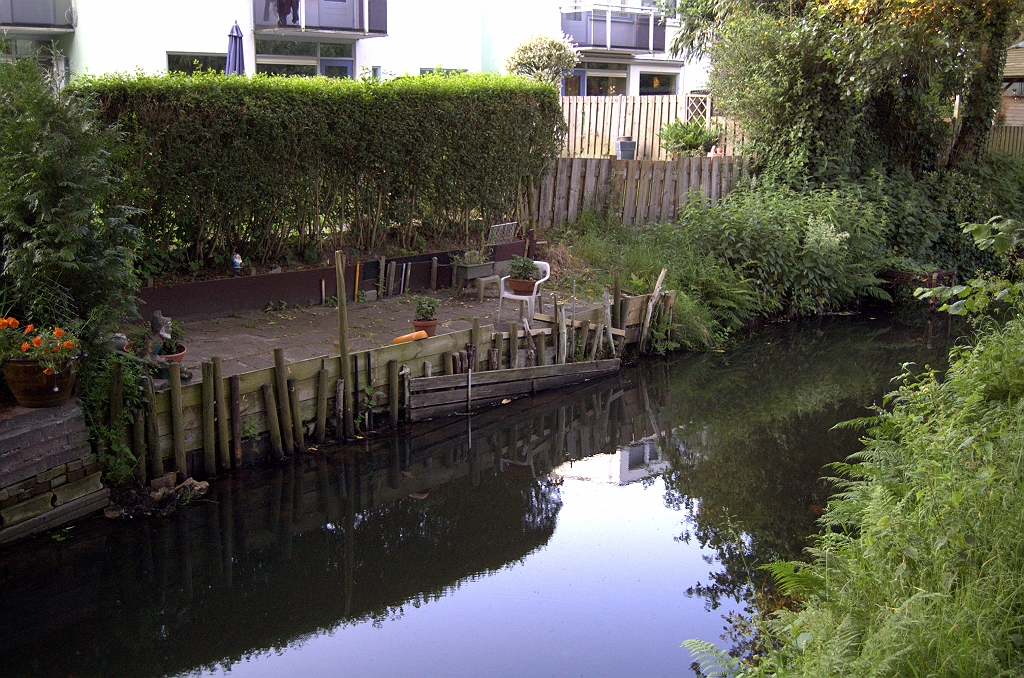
{"x": 623, "y": 42}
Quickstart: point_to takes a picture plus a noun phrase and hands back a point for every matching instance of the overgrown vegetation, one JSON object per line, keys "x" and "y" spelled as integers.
{"x": 284, "y": 168}
{"x": 688, "y": 138}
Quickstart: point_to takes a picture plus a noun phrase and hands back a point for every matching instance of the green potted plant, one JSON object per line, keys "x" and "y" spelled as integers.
{"x": 172, "y": 348}
{"x": 38, "y": 365}
{"x": 424, "y": 319}
{"x": 473, "y": 264}
{"x": 522, "y": 275}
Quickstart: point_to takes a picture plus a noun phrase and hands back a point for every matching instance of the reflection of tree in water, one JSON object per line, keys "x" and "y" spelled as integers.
{"x": 751, "y": 437}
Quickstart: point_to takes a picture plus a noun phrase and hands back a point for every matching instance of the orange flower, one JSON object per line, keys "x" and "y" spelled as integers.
{"x": 24, "y": 347}
{"x": 68, "y": 344}
{"x": 37, "y": 341}
{"x": 29, "y": 328}
{"x": 56, "y": 349}
{"x": 58, "y": 332}
{"x": 3, "y": 323}
{"x": 12, "y": 322}
{"x": 48, "y": 371}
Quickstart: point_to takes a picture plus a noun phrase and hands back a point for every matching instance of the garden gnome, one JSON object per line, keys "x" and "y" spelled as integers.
{"x": 236, "y": 263}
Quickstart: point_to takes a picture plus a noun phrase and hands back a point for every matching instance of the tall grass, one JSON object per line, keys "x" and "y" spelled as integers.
{"x": 921, "y": 568}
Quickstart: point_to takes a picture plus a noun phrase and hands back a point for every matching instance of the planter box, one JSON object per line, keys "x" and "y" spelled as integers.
{"x": 473, "y": 271}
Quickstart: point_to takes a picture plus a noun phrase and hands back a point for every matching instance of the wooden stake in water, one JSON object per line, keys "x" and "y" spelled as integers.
{"x": 284, "y": 414}
{"x": 346, "y": 364}
{"x": 209, "y": 423}
{"x": 177, "y": 421}
{"x": 221, "y": 409}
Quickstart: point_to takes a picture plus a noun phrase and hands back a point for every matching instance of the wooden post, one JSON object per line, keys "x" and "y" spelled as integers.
{"x": 322, "y": 391}
{"x": 433, "y": 274}
{"x": 475, "y": 340}
{"x": 463, "y": 361}
{"x": 560, "y": 328}
{"x": 598, "y": 338}
{"x": 381, "y": 277}
{"x": 339, "y": 409}
{"x": 156, "y": 461}
{"x": 281, "y": 393}
{"x": 616, "y": 303}
{"x": 449, "y": 367}
{"x": 389, "y": 285}
{"x": 403, "y": 375}
{"x": 493, "y": 359}
{"x": 513, "y": 345}
{"x": 276, "y": 448}
{"x": 469, "y": 391}
{"x": 236, "y": 422}
{"x": 346, "y": 364}
{"x": 542, "y": 349}
{"x": 293, "y": 399}
{"x": 209, "y": 423}
{"x": 583, "y": 341}
{"x": 393, "y": 392}
{"x": 177, "y": 421}
{"x": 221, "y": 407}
{"x": 428, "y": 369}
{"x": 139, "y": 446}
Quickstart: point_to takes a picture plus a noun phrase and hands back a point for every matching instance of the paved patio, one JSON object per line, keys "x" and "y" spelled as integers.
{"x": 246, "y": 341}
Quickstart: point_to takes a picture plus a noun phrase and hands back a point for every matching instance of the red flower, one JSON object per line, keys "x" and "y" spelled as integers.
{"x": 37, "y": 341}
{"x": 29, "y": 328}
{"x": 12, "y": 322}
{"x": 68, "y": 344}
{"x": 48, "y": 371}
{"x": 24, "y": 347}
{"x": 58, "y": 332}
{"x": 56, "y": 349}
{"x": 3, "y": 323}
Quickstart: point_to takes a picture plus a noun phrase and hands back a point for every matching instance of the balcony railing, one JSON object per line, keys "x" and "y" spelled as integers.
{"x": 614, "y": 27}
{"x": 37, "y": 14}
{"x": 350, "y": 16}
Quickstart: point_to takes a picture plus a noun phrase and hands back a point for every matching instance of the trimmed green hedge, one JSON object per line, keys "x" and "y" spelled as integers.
{"x": 272, "y": 166}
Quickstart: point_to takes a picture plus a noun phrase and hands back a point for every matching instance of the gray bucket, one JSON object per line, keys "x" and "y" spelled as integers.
{"x": 625, "y": 149}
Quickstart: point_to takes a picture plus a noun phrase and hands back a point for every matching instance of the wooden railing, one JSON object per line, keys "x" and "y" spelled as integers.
{"x": 635, "y": 191}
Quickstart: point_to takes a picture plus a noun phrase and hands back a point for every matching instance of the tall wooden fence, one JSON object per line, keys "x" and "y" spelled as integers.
{"x": 595, "y": 123}
{"x": 637, "y": 191}
{"x": 1008, "y": 138}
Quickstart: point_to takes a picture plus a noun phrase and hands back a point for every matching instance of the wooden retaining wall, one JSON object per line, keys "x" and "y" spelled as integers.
{"x": 636, "y": 191}
{"x": 412, "y": 356}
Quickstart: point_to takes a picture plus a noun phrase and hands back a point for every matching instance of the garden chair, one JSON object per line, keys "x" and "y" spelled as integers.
{"x": 499, "y": 234}
{"x": 530, "y": 299}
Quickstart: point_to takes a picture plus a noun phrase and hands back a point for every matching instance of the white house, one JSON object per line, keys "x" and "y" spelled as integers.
{"x": 623, "y": 41}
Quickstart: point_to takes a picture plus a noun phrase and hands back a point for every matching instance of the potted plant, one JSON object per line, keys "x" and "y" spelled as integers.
{"x": 38, "y": 365}
{"x": 424, "y": 319}
{"x": 172, "y": 348}
{"x": 471, "y": 265}
{"x": 522, "y": 275}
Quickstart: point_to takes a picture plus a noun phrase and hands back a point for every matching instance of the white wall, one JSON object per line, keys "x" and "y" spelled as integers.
{"x": 130, "y": 35}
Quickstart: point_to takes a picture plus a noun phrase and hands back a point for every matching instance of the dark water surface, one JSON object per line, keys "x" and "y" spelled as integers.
{"x": 574, "y": 534}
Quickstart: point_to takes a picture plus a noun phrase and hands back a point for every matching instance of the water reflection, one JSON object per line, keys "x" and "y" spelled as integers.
{"x": 277, "y": 556}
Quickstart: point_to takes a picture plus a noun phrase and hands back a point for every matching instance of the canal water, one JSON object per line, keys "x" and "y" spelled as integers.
{"x": 582, "y": 533}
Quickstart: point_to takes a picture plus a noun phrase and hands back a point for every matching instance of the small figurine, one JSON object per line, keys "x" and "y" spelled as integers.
{"x": 236, "y": 263}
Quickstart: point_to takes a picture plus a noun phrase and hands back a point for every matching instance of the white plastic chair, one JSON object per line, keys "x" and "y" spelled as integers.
{"x": 545, "y": 268}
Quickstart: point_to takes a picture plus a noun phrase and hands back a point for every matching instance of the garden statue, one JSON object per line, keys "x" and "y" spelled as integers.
{"x": 150, "y": 351}
{"x": 236, "y": 263}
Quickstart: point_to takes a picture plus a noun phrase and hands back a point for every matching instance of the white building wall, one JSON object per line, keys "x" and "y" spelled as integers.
{"x": 131, "y": 35}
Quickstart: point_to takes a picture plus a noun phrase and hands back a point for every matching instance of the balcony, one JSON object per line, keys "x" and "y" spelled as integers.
{"x": 41, "y": 17}
{"x": 293, "y": 17}
{"x": 614, "y": 28}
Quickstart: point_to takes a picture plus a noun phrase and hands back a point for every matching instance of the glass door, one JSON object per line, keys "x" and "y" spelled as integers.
{"x": 337, "y": 68}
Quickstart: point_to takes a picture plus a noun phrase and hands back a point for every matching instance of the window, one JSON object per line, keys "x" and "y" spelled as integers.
{"x": 602, "y": 85}
{"x": 375, "y": 72}
{"x": 604, "y": 66}
{"x": 190, "y": 63}
{"x": 336, "y": 50}
{"x": 657, "y": 83}
{"x": 286, "y": 69}
{"x": 572, "y": 85}
{"x": 573, "y": 16}
{"x": 286, "y": 48}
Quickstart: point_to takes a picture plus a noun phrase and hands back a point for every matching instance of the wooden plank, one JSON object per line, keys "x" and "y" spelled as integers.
{"x": 705, "y": 179}
{"x": 547, "y": 195}
{"x": 457, "y": 397}
{"x": 716, "y": 179}
{"x": 668, "y": 191}
{"x": 575, "y": 189}
{"x": 629, "y": 196}
{"x": 617, "y": 188}
{"x": 426, "y": 384}
{"x": 644, "y": 191}
{"x": 590, "y": 185}
{"x": 561, "y": 191}
{"x": 603, "y": 186}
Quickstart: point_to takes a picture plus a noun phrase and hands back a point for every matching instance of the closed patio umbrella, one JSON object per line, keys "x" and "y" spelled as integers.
{"x": 235, "y": 64}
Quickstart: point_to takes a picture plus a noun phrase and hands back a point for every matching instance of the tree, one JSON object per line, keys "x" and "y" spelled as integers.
{"x": 544, "y": 58}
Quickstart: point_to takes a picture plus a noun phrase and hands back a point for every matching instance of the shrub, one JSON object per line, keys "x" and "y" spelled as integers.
{"x": 544, "y": 59}
{"x": 688, "y": 138}
{"x": 426, "y": 307}
{"x": 523, "y": 268}
{"x": 263, "y": 165}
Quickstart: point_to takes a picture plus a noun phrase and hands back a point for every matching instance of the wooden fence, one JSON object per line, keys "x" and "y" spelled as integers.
{"x": 596, "y": 122}
{"x": 636, "y": 191}
{"x": 1009, "y": 139}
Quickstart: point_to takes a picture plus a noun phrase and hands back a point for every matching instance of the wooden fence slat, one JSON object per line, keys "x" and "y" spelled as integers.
{"x": 716, "y": 179}
{"x": 705, "y": 178}
{"x": 547, "y": 195}
{"x": 575, "y": 188}
{"x": 629, "y": 195}
{"x": 668, "y": 191}
{"x": 590, "y": 187}
{"x": 603, "y": 186}
{"x": 561, "y": 190}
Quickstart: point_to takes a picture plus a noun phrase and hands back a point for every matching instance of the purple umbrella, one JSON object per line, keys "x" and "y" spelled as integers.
{"x": 235, "y": 63}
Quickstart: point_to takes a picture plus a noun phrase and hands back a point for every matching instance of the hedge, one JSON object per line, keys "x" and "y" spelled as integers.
{"x": 271, "y": 166}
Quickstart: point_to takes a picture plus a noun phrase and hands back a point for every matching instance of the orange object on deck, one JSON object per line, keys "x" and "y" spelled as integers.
{"x": 412, "y": 336}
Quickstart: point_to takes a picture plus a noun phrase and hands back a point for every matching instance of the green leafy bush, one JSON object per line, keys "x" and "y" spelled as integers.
{"x": 689, "y": 138}
{"x": 523, "y": 268}
{"x": 426, "y": 307}
{"x": 263, "y": 165}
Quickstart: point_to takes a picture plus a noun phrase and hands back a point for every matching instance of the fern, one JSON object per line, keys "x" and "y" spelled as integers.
{"x": 711, "y": 660}
{"x": 795, "y": 579}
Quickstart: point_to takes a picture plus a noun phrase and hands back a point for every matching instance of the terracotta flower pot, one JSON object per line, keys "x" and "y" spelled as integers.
{"x": 428, "y": 326}
{"x": 523, "y": 287}
{"x": 33, "y": 388}
{"x": 175, "y": 357}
